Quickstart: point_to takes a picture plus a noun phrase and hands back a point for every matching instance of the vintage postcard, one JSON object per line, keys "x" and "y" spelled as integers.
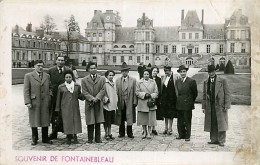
{"x": 129, "y": 82}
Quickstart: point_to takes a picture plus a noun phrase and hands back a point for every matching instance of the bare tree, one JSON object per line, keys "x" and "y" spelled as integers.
{"x": 48, "y": 24}
{"x": 72, "y": 29}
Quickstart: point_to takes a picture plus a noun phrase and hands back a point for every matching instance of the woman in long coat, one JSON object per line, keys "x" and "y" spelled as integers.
{"x": 68, "y": 104}
{"x": 158, "y": 80}
{"x": 146, "y": 90}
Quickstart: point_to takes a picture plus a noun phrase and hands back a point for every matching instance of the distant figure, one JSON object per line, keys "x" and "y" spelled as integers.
{"x": 19, "y": 64}
{"x": 141, "y": 69}
{"x": 29, "y": 64}
{"x": 14, "y": 64}
{"x": 74, "y": 70}
{"x": 215, "y": 103}
{"x": 37, "y": 99}
{"x": 32, "y": 64}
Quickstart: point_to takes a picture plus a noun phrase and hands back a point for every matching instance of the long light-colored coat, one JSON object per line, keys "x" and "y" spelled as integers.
{"x": 222, "y": 101}
{"x": 141, "y": 90}
{"x": 68, "y": 104}
{"x": 130, "y": 109}
{"x": 90, "y": 89}
{"x": 37, "y": 93}
{"x": 111, "y": 94}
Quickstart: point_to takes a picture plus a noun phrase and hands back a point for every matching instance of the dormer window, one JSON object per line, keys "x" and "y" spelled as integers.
{"x": 123, "y": 46}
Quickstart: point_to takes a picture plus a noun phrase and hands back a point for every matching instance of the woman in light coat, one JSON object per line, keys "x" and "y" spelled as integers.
{"x": 146, "y": 90}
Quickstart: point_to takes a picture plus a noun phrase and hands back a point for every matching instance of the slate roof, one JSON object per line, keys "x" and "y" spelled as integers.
{"x": 125, "y": 34}
{"x": 191, "y": 20}
{"x": 166, "y": 33}
{"x": 97, "y": 18}
{"x": 215, "y": 30}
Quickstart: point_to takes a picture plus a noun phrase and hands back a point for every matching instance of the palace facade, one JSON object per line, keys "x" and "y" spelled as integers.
{"x": 106, "y": 42}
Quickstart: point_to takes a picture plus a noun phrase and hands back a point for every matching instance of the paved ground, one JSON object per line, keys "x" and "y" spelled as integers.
{"x": 235, "y": 135}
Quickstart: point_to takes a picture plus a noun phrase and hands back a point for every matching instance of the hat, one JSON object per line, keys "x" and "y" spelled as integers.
{"x": 182, "y": 67}
{"x": 167, "y": 67}
{"x": 124, "y": 66}
{"x": 211, "y": 68}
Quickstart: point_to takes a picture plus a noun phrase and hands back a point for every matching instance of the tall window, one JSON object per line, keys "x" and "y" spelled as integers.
{"x": 130, "y": 57}
{"x": 94, "y": 34}
{"x": 183, "y": 50}
{"x": 100, "y": 34}
{"x": 165, "y": 48}
{"x": 221, "y": 48}
{"x": 208, "y": 48}
{"x": 157, "y": 48}
{"x": 147, "y": 57}
{"x": 146, "y": 48}
{"x": 17, "y": 56}
{"x": 147, "y": 36}
{"x": 243, "y": 34}
{"x": 122, "y": 59}
{"x": 190, "y": 35}
{"x": 232, "y": 47}
{"x": 174, "y": 49}
{"x": 196, "y": 35}
{"x": 196, "y": 49}
{"x": 243, "y": 47}
{"x": 183, "y": 36}
{"x": 138, "y": 59}
{"x": 88, "y": 35}
{"x": 232, "y": 34}
{"x": 114, "y": 59}
{"x": 34, "y": 44}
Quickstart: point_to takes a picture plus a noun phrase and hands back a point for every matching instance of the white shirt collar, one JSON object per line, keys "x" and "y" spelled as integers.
{"x": 62, "y": 68}
{"x": 184, "y": 79}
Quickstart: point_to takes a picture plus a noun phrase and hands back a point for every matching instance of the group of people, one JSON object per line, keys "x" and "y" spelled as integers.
{"x": 53, "y": 97}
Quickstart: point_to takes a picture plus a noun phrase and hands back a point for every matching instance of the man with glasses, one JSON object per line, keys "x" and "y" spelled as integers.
{"x": 37, "y": 99}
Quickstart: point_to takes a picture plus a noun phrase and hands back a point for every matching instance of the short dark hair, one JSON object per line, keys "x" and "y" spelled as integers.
{"x": 89, "y": 64}
{"x": 38, "y": 61}
{"x": 107, "y": 72}
{"x": 69, "y": 72}
{"x": 167, "y": 67}
{"x": 147, "y": 70}
{"x": 153, "y": 69}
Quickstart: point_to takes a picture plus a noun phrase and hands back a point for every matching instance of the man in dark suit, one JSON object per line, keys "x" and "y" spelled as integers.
{"x": 37, "y": 99}
{"x": 57, "y": 77}
{"x": 187, "y": 93}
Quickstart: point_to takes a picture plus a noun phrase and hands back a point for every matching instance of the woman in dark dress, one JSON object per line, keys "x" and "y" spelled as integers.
{"x": 159, "y": 114}
{"x": 168, "y": 99}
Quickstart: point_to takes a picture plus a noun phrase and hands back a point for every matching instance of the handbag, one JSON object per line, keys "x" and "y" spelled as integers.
{"x": 151, "y": 103}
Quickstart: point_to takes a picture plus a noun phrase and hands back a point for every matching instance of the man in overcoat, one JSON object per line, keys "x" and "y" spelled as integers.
{"x": 127, "y": 101}
{"x": 216, "y": 102}
{"x": 187, "y": 93}
{"x": 57, "y": 78}
{"x": 93, "y": 90}
{"x": 37, "y": 99}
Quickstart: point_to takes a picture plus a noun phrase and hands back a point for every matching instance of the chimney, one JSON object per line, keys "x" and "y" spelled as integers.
{"x": 40, "y": 32}
{"x": 95, "y": 11}
{"x": 182, "y": 15}
{"x": 202, "y": 16}
{"x": 29, "y": 27}
{"x": 16, "y": 29}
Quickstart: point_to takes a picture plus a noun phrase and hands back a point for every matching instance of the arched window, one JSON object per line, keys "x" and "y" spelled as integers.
{"x": 222, "y": 60}
{"x": 115, "y": 46}
{"x": 189, "y": 61}
{"x": 157, "y": 58}
{"x": 123, "y": 46}
{"x": 131, "y": 46}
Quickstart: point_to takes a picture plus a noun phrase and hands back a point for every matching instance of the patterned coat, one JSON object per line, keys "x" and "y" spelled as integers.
{"x": 37, "y": 93}
{"x": 222, "y": 101}
{"x": 90, "y": 89}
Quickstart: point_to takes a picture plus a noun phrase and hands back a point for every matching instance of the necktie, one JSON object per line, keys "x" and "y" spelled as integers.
{"x": 94, "y": 77}
{"x": 40, "y": 76}
{"x": 60, "y": 70}
{"x": 124, "y": 84}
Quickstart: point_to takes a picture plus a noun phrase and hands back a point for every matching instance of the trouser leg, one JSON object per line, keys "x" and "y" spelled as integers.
{"x": 129, "y": 130}
{"x": 97, "y": 132}
{"x": 222, "y": 137}
{"x": 214, "y": 126}
{"x": 45, "y": 134}
{"x": 123, "y": 119}
{"x": 187, "y": 122}
{"x": 180, "y": 125}
{"x": 90, "y": 129}
{"x": 34, "y": 134}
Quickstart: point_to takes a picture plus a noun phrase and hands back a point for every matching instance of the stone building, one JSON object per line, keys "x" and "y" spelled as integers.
{"x": 194, "y": 43}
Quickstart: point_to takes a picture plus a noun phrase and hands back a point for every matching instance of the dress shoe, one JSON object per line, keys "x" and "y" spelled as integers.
{"x": 90, "y": 141}
{"x": 165, "y": 132}
{"x": 34, "y": 142}
{"x": 221, "y": 144}
{"x": 169, "y": 132}
{"x": 131, "y": 136}
{"x": 188, "y": 139}
{"x": 213, "y": 142}
{"x": 75, "y": 140}
{"x": 47, "y": 142}
{"x": 68, "y": 141}
{"x": 179, "y": 138}
{"x": 111, "y": 137}
{"x": 121, "y": 136}
{"x": 154, "y": 132}
{"x": 98, "y": 141}
{"x": 53, "y": 136}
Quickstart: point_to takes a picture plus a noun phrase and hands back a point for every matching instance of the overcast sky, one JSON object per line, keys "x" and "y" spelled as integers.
{"x": 163, "y": 13}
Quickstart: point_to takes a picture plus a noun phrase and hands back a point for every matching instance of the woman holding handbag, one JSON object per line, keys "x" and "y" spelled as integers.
{"x": 147, "y": 92}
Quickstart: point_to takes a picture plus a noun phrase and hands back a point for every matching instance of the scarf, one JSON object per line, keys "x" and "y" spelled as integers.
{"x": 70, "y": 86}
